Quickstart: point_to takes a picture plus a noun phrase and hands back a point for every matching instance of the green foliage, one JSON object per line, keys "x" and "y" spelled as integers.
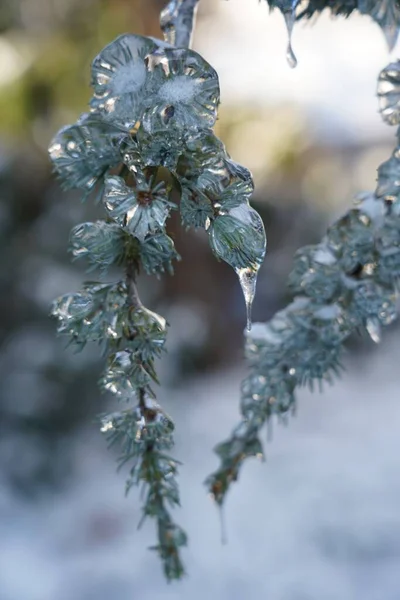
{"x": 144, "y": 436}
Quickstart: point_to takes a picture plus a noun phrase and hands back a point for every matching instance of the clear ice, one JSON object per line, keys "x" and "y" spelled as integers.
{"x": 176, "y": 21}
{"x": 290, "y": 17}
{"x": 248, "y": 281}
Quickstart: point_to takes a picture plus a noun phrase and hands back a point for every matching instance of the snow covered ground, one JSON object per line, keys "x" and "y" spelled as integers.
{"x": 319, "y": 521}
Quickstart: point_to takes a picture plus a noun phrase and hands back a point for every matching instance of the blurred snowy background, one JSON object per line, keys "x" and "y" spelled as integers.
{"x": 320, "y": 520}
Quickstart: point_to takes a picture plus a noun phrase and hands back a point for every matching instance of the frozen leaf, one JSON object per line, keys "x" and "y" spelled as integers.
{"x": 388, "y": 187}
{"x": 226, "y": 183}
{"x": 144, "y": 330}
{"x": 196, "y": 209}
{"x": 202, "y": 150}
{"x": 371, "y": 301}
{"x": 315, "y": 273}
{"x": 187, "y": 92}
{"x": 389, "y": 93}
{"x": 388, "y": 247}
{"x": 101, "y": 243}
{"x": 91, "y": 315}
{"x": 157, "y": 253}
{"x": 351, "y": 239}
{"x": 140, "y": 210}
{"x": 125, "y": 374}
{"x": 159, "y": 148}
{"x": 120, "y": 79}
{"x": 82, "y": 153}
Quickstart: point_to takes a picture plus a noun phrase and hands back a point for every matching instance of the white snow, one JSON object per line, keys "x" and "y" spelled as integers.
{"x": 319, "y": 520}
{"x": 129, "y": 78}
{"x": 178, "y": 89}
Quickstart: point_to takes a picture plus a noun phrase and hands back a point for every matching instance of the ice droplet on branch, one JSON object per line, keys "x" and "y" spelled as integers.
{"x": 248, "y": 281}
{"x": 290, "y": 17}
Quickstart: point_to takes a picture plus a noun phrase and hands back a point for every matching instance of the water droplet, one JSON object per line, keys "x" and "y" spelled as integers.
{"x": 290, "y": 17}
{"x": 248, "y": 281}
{"x": 224, "y": 536}
{"x": 374, "y": 329}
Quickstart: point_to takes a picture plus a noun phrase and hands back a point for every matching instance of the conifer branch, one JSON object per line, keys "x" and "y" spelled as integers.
{"x": 154, "y": 105}
{"x": 344, "y": 284}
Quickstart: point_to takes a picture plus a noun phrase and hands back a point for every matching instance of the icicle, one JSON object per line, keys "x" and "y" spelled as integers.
{"x": 224, "y": 536}
{"x": 290, "y": 16}
{"x": 374, "y": 329}
{"x": 386, "y": 13}
{"x": 390, "y": 31}
{"x": 248, "y": 280}
{"x": 177, "y": 21}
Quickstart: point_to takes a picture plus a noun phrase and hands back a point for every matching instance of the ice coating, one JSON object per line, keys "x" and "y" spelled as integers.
{"x": 177, "y": 21}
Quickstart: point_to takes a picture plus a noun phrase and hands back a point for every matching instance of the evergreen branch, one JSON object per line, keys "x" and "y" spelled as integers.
{"x": 344, "y": 284}
{"x": 386, "y": 13}
{"x": 144, "y": 435}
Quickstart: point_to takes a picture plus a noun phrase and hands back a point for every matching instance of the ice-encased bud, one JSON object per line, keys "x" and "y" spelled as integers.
{"x": 125, "y": 373}
{"x": 203, "y": 150}
{"x": 351, "y": 239}
{"x": 91, "y": 315}
{"x": 388, "y": 92}
{"x": 226, "y": 183}
{"x": 186, "y": 92}
{"x": 159, "y": 148}
{"x": 120, "y": 79}
{"x": 157, "y": 253}
{"x": 388, "y": 185}
{"x": 140, "y": 210}
{"x": 100, "y": 242}
{"x": 388, "y": 248}
{"x": 83, "y": 152}
{"x": 195, "y": 207}
{"x": 144, "y": 330}
{"x": 371, "y": 301}
{"x": 70, "y": 308}
{"x": 315, "y": 273}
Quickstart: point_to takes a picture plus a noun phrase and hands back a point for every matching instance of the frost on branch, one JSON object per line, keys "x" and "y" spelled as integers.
{"x": 153, "y": 109}
{"x": 386, "y": 13}
{"x": 345, "y": 284}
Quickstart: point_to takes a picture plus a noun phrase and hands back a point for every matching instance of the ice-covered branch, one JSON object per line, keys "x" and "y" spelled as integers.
{"x": 153, "y": 106}
{"x": 344, "y": 284}
{"x": 386, "y": 13}
{"x": 177, "y": 21}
